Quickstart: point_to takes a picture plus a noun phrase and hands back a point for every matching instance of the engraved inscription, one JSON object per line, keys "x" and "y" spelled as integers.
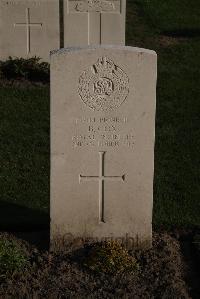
{"x": 101, "y": 178}
{"x": 20, "y": 2}
{"x": 104, "y": 86}
{"x": 102, "y": 132}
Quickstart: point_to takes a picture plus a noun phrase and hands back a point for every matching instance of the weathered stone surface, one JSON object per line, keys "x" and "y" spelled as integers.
{"x": 102, "y": 143}
{"x": 29, "y": 28}
{"x": 94, "y": 22}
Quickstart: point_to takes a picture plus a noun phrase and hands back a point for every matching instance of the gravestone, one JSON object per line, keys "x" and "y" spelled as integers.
{"x": 29, "y": 28}
{"x": 102, "y": 144}
{"x": 94, "y": 22}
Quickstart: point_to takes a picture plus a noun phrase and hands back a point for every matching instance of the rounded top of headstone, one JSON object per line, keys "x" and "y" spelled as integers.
{"x": 106, "y": 47}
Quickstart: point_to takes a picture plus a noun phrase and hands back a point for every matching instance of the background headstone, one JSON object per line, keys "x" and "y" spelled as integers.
{"x": 29, "y": 28}
{"x": 94, "y": 22}
{"x": 102, "y": 143}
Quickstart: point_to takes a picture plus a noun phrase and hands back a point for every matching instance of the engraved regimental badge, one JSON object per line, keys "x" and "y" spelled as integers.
{"x": 103, "y": 86}
{"x": 95, "y": 5}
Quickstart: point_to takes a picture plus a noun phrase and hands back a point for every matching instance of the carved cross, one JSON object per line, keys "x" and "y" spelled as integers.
{"x": 94, "y": 10}
{"x": 101, "y": 178}
{"x": 28, "y": 26}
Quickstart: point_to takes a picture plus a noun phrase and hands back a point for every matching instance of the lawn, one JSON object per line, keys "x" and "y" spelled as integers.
{"x": 24, "y": 156}
{"x": 172, "y": 29}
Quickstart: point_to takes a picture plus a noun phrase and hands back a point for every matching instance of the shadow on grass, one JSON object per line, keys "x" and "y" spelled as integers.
{"x": 15, "y": 218}
{"x": 183, "y": 33}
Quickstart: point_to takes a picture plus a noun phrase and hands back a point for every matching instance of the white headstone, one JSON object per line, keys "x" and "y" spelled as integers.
{"x": 103, "y": 103}
{"x": 29, "y": 28}
{"x": 94, "y": 22}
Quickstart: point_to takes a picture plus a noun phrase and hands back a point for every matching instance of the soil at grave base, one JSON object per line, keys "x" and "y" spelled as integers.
{"x": 162, "y": 274}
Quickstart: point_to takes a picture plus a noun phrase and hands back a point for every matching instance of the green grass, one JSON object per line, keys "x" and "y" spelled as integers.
{"x": 172, "y": 29}
{"x": 177, "y": 159}
{"x": 12, "y": 258}
{"x": 24, "y": 154}
{"x": 171, "y": 15}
